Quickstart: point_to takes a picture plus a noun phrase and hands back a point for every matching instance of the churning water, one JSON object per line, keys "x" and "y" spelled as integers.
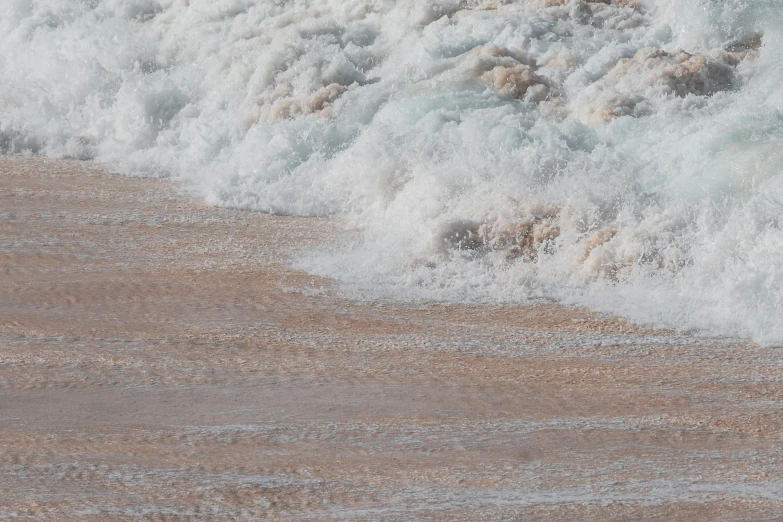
{"x": 623, "y": 154}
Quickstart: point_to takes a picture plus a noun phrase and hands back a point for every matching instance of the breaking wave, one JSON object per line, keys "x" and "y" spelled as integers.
{"x": 623, "y": 154}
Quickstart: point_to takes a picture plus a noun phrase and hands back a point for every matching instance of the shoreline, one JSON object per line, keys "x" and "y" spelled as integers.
{"x": 160, "y": 358}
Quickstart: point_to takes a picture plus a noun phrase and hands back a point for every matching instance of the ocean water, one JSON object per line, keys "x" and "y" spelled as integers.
{"x": 626, "y": 155}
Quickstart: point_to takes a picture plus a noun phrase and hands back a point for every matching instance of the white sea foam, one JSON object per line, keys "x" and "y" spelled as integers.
{"x": 624, "y": 154}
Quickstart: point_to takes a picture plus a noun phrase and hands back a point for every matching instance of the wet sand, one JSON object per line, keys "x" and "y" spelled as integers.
{"x": 159, "y": 359}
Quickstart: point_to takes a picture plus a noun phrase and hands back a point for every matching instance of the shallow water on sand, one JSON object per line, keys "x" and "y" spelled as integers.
{"x": 160, "y": 358}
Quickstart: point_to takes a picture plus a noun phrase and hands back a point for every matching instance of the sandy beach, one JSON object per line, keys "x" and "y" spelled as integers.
{"x": 160, "y": 359}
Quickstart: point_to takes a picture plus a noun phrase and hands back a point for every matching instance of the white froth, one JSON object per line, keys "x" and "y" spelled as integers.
{"x": 623, "y": 154}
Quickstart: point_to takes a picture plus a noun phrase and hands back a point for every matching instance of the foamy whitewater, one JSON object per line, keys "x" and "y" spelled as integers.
{"x": 621, "y": 154}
